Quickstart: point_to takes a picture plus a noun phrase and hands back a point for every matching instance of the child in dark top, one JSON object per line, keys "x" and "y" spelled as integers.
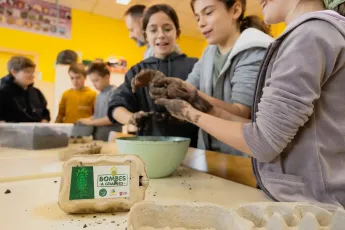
{"x": 161, "y": 27}
{"x": 20, "y": 101}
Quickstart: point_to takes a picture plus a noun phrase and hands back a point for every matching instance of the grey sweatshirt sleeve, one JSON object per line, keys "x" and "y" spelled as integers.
{"x": 194, "y": 76}
{"x": 245, "y": 75}
{"x": 292, "y": 88}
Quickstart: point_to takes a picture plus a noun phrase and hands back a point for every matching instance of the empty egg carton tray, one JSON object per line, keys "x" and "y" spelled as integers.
{"x": 255, "y": 216}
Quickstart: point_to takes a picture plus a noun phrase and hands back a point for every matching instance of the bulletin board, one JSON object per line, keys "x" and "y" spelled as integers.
{"x": 36, "y": 16}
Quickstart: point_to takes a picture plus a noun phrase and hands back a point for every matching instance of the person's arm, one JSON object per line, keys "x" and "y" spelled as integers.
{"x": 232, "y": 135}
{"x": 226, "y": 115}
{"x": 236, "y": 109}
{"x": 122, "y": 115}
{"x": 62, "y": 110}
{"x": 95, "y": 122}
{"x": 123, "y": 102}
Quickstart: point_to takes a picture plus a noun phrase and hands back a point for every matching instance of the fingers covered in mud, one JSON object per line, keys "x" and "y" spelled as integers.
{"x": 157, "y": 93}
{"x": 179, "y": 109}
{"x": 144, "y": 78}
{"x": 138, "y": 119}
{"x": 176, "y": 92}
{"x": 171, "y": 92}
{"x": 200, "y": 104}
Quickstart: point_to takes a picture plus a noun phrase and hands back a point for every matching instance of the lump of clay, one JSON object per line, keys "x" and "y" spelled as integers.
{"x": 104, "y": 183}
{"x": 87, "y": 149}
{"x": 145, "y": 78}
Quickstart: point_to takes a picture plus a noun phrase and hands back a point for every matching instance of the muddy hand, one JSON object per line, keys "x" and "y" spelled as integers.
{"x": 199, "y": 103}
{"x": 171, "y": 88}
{"x": 138, "y": 119}
{"x": 179, "y": 109}
{"x": 176, "y": 90}
{"x": 145, "y": 77}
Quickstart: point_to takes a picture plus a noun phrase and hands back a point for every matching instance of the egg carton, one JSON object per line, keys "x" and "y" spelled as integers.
{"x": 254, "y": 216}
{"x": 86, "y": 149}
{"x": 80, "y": 139}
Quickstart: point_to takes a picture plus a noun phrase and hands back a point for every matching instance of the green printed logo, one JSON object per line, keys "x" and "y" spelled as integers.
{"x": 82, "y": 183}
{"x": 102, "y": 192}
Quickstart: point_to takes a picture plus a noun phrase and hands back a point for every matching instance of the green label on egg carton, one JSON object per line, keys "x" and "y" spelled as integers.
{"x": 100, "y": 182}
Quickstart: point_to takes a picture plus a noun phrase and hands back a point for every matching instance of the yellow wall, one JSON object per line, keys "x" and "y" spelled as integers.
{"x": 92, "y": 35}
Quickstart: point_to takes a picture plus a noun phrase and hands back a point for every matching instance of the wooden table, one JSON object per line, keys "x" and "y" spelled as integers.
{"x": 234, "y": 168}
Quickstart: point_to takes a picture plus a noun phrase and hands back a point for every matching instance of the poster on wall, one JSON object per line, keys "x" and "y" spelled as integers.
{"x": 36, "y": 16}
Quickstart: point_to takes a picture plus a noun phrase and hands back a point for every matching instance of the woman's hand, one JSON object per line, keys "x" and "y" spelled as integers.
{"x": 180, "y": 109}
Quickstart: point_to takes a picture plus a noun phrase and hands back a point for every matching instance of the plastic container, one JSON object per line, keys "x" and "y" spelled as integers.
{"x": 162, "y": 155}
{"x": 34, "y": 136}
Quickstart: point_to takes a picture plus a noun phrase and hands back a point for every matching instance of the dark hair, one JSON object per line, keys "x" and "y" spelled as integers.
{"x": 19, "y": 63}
{"x": 67, "y": 57}
{"x": 340, "y": 9}
{"x": 136, "y": 11}
{"x": 77, "y": 68}
{"x": 244, "y": 22}
{"x": 168, "y": 10}
{"x": 98, "y": 67}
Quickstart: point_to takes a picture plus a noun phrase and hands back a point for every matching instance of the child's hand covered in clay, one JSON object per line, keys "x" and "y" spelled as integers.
{"x": 161, "y": 86}
{"x": 180, "y": 109}
{"x": 138, "y": 119}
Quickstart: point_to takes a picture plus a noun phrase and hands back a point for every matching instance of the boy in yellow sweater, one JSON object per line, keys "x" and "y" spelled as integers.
{"x": 78, "y": 102}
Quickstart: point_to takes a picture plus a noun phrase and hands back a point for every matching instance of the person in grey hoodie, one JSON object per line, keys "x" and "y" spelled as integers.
{"x": 296, "y": 134}
{"x": 229, "y": 66}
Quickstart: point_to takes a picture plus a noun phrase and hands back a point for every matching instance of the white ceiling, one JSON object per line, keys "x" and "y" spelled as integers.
{"x": 110, "y": 8}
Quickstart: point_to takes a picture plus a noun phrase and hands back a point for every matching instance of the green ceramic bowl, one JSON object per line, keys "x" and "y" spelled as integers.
{"x": 162, "y": 155}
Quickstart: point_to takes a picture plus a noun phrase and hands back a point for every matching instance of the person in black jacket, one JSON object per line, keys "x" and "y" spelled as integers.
{"x": 20, "y": 101}
{"x": 161, "y": 26}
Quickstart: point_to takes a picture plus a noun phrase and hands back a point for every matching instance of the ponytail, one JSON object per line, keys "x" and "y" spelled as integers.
{"x": 253, "y": 21}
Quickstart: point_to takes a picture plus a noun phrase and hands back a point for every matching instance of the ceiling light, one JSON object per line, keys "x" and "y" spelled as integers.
{"x": 123, "y": 2}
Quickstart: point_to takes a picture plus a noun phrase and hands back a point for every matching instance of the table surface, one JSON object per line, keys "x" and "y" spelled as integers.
{"x": 32, "y": 204}
{"x": 16, "y": 165}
